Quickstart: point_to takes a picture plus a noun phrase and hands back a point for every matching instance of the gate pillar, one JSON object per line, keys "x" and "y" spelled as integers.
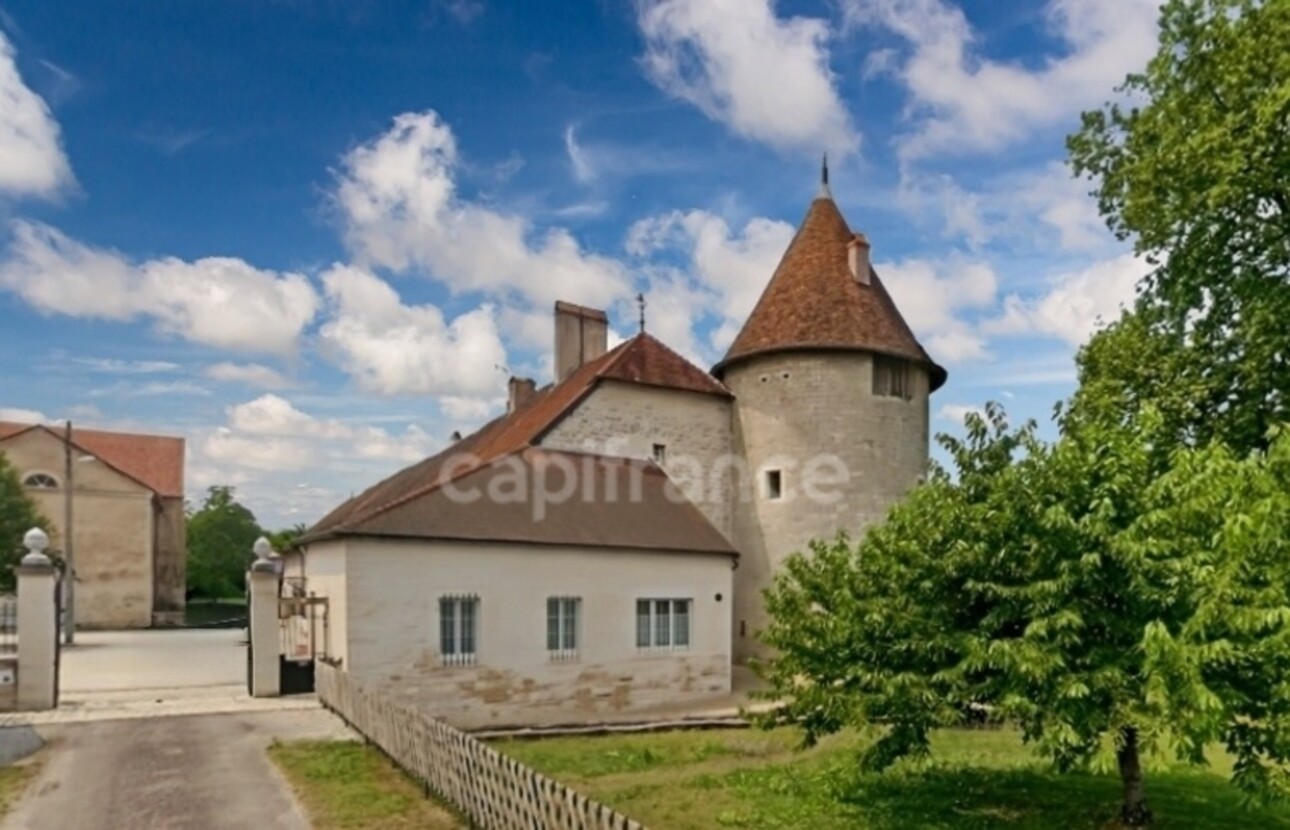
{"x": 262, "y": 617}
{"x": 37, "y": 626}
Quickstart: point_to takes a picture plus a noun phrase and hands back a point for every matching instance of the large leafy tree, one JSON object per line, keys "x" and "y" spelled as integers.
{"x": 1108, "y": 611}
{"x": 220, "y": 536}
{"x": 1194, "y": 166}
{"x": 18, "y": 514}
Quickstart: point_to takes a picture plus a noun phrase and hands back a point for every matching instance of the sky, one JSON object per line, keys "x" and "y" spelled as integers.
{"x": 315, "y": 237}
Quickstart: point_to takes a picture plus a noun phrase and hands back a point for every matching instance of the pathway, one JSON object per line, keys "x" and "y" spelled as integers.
{"x": 205, "y": 772}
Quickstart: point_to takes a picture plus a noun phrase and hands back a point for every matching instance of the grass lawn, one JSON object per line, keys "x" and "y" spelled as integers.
{"x": 345, "y": 784}
{"x": 758, "y": 780}
{"x": 14, "y": 780}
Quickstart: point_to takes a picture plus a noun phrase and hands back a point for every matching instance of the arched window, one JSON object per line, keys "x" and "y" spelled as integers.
{"x": 40, "y": 481}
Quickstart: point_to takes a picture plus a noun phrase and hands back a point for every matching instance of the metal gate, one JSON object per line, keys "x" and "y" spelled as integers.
{"x": 303, "y": 638}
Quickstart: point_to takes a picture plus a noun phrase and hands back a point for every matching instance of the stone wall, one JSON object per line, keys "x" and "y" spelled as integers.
{"x": 792, "y": 408}
{"x": 627, "y": 419}
{"x": 391, "y": 628}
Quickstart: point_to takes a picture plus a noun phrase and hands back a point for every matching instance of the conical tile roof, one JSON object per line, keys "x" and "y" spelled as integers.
{"x": 813, "y": 302}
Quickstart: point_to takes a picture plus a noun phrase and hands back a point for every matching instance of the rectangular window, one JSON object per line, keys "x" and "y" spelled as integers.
{"x": 660, "y": 454}
{"x": 562, "y": 627}
{"x": 774, "y": 484}
{"x": 663, "y": 623}
{"x": 458, "y": 616}
{"x": 891, "y": 378}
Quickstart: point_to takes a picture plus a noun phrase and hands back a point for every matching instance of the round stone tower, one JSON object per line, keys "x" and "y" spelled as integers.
{"x": 831, "y": 406}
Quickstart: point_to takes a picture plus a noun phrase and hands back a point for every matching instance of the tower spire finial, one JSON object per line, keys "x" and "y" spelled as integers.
{"x": 824, "y": 192}
{"x": 640, "y": 301}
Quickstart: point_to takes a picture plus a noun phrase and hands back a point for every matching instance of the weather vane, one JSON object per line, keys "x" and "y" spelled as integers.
{"x": 640, "y": 301}
{"x": 824, "y": 171}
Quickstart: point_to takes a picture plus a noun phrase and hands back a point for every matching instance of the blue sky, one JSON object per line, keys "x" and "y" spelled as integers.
{"x": 312, "y": 236}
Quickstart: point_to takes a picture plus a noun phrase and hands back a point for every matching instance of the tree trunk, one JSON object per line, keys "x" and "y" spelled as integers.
{"x": 1134, "y": 812}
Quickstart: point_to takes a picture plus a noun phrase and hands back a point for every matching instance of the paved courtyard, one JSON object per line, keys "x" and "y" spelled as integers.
{"x": 160, "y": 659}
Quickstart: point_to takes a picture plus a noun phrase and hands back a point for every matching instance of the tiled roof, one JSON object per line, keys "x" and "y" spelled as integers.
{"x": 155, "y": 461}
{"x": 656, "y": 516}
{"x": 642, "y": 359}
{"x": 813, "y": 302}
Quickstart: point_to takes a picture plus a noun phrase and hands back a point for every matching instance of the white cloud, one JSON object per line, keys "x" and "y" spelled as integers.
{"x": 1075, "y": 304}
{"x": 764, "y": 77}
{"x": 730, "y": 268}
{"x": 22, "y": 416}
{"x": 155, "y": 389}
{"x": 32, "y": 161}
{"x": 252, "y": 374}
{"x": 963, "y": 102}
{"x": 932, "y": 297}
{"x": 582, "y": 168}
{"x": 216, "y": 301}
{"x": 398, "y": 201}
{"x": 116, "y": 366}
{"x": 269, "y": 433}
{"x": 392, "y": 348}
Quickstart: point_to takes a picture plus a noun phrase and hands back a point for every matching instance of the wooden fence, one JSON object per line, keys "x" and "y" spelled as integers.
{"x": 495, "y": 792}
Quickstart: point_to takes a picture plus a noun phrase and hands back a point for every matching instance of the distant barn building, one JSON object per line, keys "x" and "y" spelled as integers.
{"x": 128, "y": 517}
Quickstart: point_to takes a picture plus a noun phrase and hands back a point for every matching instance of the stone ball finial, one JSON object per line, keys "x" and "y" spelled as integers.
{"x": 263, "y": 548}
{"x": 35, "y": 541}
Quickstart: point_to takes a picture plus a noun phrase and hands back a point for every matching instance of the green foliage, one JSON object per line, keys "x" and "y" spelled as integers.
{"x": 1195, "y": 167}
{"x": 1064, "y": 587}
{"x": 284, "y": 540}
{"x": 220, "y": 536}
{"x": 18, "y": 514}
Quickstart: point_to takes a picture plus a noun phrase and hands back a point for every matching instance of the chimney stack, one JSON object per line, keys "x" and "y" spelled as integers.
{"x": 581, "y": 334}
{"x": 519, "y": 390}
{"x": 858, "y": 258}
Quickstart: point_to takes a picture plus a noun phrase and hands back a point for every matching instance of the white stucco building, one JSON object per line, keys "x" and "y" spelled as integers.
{"x": 602, "y": 547}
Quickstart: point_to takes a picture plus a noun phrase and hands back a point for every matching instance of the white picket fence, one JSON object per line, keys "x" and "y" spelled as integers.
{"x": 495, "y": 792}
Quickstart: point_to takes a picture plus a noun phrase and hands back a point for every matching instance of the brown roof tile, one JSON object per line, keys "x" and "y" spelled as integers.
{"x": 645, "y": 511}
{"x": 155, "y": 461}
{"x": 812, "y": 301}
{"x": 642, "y": 359}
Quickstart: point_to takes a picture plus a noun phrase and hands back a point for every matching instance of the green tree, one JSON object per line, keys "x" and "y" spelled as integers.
{"x": 220, "y": 535}
{"x": 1194, "y": 167}
{"x": 1110, "y": 612}
{"x": 18, "y": 514}
{"x": 285, "y": 539}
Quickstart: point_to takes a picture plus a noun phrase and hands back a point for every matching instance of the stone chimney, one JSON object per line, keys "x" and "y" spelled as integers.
{"x": 581, "y": 334}
{"x": 858, "y": 258}
{"x": 519, "y": 391}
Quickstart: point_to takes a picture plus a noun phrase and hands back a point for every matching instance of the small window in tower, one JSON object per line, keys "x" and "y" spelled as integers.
{"x": 774, "y": 484}
{"x": 891, "y": 378}
{"x": 660, "y": 454}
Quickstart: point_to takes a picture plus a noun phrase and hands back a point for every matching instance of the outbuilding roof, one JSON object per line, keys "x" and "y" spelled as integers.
{"x": 155, "y": 461}
{"x": 813, "y": 302}
{"x": 641, "y": 360}
{"x": 554, "y": 497}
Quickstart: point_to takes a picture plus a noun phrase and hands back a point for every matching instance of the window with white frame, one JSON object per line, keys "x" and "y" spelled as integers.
{"x": 458, "y": 622}
{"x": 40, "y": 481}
{"x": 562, "y": 627}
{"x": 663, "y": 623}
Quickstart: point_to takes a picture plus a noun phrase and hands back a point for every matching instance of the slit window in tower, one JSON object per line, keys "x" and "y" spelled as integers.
{"x": 891, "y": 377}
{"x": 774, "y": 484}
